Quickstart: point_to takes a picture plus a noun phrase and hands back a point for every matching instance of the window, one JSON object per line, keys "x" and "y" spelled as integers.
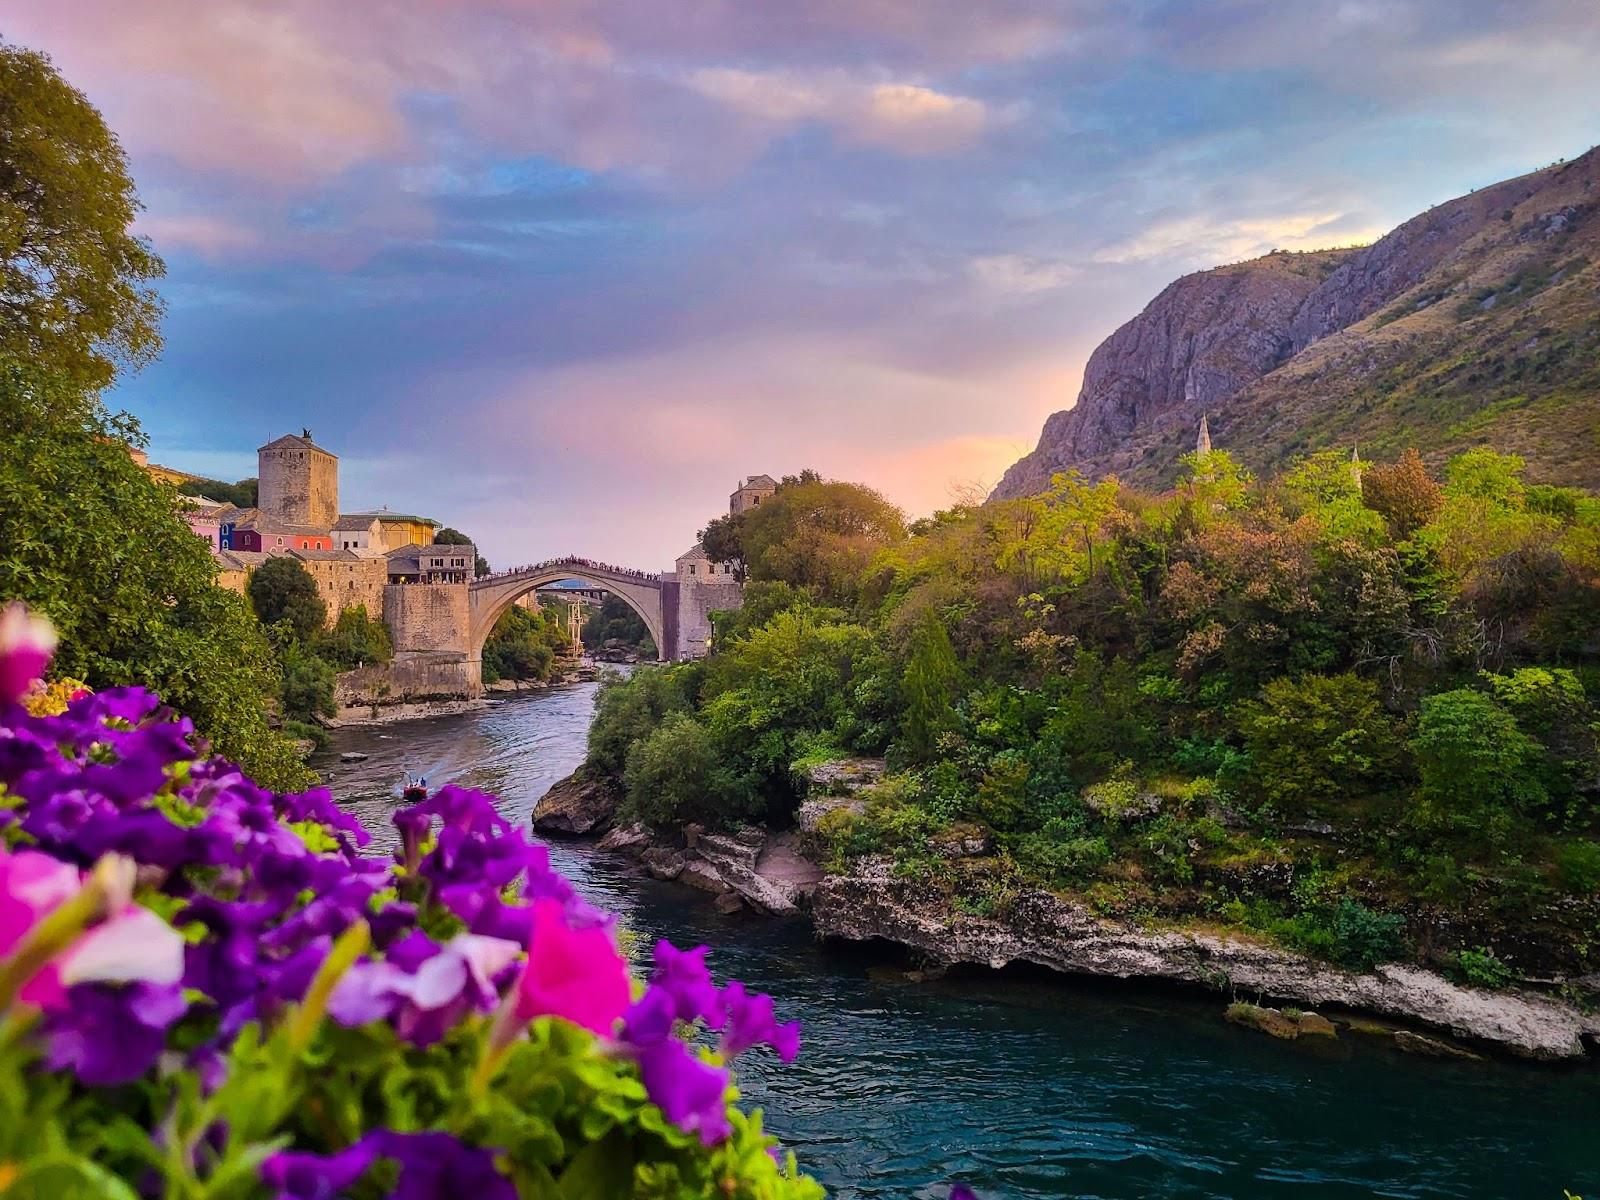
{"x": 691, "y": 568}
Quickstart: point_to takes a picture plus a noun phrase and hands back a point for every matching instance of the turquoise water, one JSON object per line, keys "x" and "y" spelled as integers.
{"x": 1026, "y": 1086}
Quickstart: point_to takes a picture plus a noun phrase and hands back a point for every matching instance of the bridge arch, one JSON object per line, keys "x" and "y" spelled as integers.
{"x": 493, "y": 594}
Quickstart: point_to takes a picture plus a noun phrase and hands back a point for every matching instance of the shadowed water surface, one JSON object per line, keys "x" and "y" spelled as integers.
{"x": 1028, "y": 1087}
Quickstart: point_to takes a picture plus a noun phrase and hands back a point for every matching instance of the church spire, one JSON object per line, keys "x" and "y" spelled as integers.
{"x": 1202, "y": 444}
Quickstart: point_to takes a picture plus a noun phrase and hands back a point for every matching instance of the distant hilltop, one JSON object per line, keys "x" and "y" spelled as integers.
{"x": 1475, "y": 323}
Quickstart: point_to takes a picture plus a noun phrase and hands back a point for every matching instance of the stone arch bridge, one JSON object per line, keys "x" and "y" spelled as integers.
{"x": 490, "y": 596}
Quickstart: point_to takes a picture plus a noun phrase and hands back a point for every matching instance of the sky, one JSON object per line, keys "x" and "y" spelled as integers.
{"x": 560, "y": 272}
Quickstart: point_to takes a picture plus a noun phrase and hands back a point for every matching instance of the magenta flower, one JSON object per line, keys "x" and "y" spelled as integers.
{"x": 751, "y": 1023}
{"x": 425, "y": 989}
{"x": 690, "y": 1092}
{"x": 136, "y": 945}
{"x": 572, "y": 973}
{"x": 26, "y": 643}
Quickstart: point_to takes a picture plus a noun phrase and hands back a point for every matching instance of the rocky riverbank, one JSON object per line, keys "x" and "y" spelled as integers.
{"x": 770, "y": 873}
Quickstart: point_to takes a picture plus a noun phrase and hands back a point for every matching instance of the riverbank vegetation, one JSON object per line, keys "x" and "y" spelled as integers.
{"x": 526, "y": 644}
{"x": 1351, "y": 709}
{"x": 614, "y": 627}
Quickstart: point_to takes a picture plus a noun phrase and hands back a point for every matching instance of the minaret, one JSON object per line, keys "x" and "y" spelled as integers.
{"x": 1202, "y": 444}
{"x": 1355, "y": 462}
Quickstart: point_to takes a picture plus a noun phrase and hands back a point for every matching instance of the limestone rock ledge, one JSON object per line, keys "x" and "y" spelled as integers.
{"x": 576, "y": 806}
{"x": 764, "y": 871}
{"x": 870, "y": 903}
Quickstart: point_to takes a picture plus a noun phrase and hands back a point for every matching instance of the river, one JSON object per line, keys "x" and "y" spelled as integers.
{"x": 1025, "y": 1086}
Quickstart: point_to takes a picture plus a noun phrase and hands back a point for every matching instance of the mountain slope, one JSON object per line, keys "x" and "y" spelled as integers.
{"x": 1477, "y": 322}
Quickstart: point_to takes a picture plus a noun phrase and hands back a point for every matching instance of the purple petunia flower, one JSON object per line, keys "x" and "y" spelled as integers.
{"x": 751, "y": 1023}
{"x": 433, "y": 1166}
{"x": 109, "y": 1034}
{"x": 689, "y": 1091}
{"x": 683, "y": 975}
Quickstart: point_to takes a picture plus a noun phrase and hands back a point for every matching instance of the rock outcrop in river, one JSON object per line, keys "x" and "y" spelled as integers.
{"x": 873, "y": 903}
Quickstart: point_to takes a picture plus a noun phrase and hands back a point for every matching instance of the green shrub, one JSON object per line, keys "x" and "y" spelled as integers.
{"x": 676, "y": 774}
{"x": 1479, "y": 770}
{"x": 1315, "y": 741}
{"x": 1578, "y": 864}
{"x": 1481, "y": 968}
{"x": 1349, "y": 934}
{"x": 356, "y": 640}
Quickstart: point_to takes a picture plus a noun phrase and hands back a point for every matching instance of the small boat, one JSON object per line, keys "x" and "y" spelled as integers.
{"x": 414, "y": 789}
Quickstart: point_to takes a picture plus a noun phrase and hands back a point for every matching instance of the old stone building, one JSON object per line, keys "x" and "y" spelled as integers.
{"x": 360, "y": 532}
{"x": 299, "y": 482}
{"x": 751, "y": 492}
{"x": 345, "y": 579}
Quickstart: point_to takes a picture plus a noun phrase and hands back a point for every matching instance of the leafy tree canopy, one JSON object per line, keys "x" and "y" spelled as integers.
{"x": 88, "y": 538}
{"x": 281, "y": 589}
{"x": 75, "y": 294}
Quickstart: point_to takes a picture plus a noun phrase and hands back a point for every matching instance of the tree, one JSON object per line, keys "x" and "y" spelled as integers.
{"x": 615, "y": 621}
{"x": 88, "y": 538}
{"x": 524, "y": 644}
{"x": 1480, "y": 772}
{"x": 931, "y": 684}
{"x": 1404, "y": 494}
{"x": 723, "y": 541}
{"x": 356, "y": 640}
{"x": 1316, "y": 741}
{"x": 450, "y": 536}
{"x": 244, "y": 494}
{"x": 677, "y": 774}
{"x": 75, "y": 295}
{"x": 820, "y": 534}
{"x": 281, "y": 589}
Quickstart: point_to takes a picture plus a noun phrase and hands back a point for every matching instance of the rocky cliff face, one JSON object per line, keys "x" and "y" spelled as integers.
{"x": 1477, "y": 321}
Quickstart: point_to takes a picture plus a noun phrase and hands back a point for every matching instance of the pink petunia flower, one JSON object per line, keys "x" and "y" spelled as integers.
{"x": 26, "y": 644}
{"x": 575, "y": 974}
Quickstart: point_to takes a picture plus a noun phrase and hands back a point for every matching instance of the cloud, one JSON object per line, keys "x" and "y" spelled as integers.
{"x": 905, "y": 117}
{"x": 1206, "y": 240}
{"x": 1020, "y": 274}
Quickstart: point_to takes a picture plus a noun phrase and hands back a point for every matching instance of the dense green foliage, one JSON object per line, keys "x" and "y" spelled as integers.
{"x": 525, "y": 644}
{"x": 243, "y": 494}
{"x": 88, "y": 538}
{"x": 75, "y": 295}
{"x": 614, "y": 622}
{"x": 1349, "y": 708}
{"x": 356, "y": 640}
{"x": 281, "y": 589}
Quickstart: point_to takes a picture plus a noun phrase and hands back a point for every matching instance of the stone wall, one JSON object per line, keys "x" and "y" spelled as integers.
{"x": 698, "y": 596}
{"x": 299, "y": 486}
{"x": 414, "y": 677}
{"x": 345, "y": 582}
{"x": 428, "y": 616}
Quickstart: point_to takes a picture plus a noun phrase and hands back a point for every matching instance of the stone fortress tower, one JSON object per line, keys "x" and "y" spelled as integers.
{"x": 299, "y": 482}
{"x": 751, "y": 492}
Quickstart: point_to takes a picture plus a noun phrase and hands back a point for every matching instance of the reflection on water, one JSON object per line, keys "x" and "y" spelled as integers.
{"x": 1030, "y": 1087}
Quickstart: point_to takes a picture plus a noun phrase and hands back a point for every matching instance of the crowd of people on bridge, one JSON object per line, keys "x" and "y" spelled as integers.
{"x": 572, "y": 560}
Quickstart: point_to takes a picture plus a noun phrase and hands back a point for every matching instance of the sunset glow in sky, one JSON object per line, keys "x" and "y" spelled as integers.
{"x": 558, "y": 272}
